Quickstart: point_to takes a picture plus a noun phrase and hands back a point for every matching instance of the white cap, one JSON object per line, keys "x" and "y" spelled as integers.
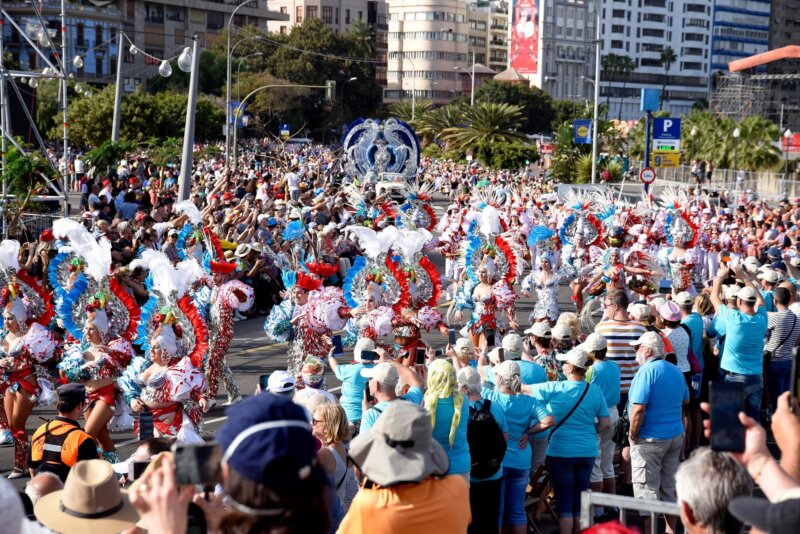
{"x": 464, "y": 348}
{"x": 747, "y": 294}
{"x": 769, "y": 275}
{"x": 577, "y": 357}
{"x": 507, "y": 369}
{"x": 650, "y": 339}
{"x": 280, "y": 382}
{"x": 561, "y": 332}
{"x": 540, "y": 329}
{"x": 639, "y": 312}
{"x": 684, "y": 299}
{"x": 383, "y": 373}
{"x": 594, "y": 342}
{"x": 468, "y": 376}
{"x": 512, "y": 345}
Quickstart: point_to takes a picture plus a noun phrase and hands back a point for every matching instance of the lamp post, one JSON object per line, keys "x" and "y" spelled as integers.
{"x": 692, "y": 134}
{"x": 736, "y": 134}
{"x": 239, "y": 72}
{"x": 594, "y": 126}
{"x": 341, "y": 103}
{"x": 413, "y": 85}
{"x": 596, "y": 82}
{"x": 189, "y": 61}
{"x": 228, "y": 84}
{"x": 788, "y": 136}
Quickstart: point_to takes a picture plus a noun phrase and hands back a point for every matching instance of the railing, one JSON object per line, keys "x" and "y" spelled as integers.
{"x": 590, "y": 499}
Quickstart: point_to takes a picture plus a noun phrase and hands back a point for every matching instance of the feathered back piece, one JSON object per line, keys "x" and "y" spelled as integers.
{"x": 411, "y": 243}
{"x": 373, "y": 243}
{"x": 9, "y": 255}
{"x": 188, "y": 208}
{"x": 674, "y": 199}
{"x": 580, "y": 199}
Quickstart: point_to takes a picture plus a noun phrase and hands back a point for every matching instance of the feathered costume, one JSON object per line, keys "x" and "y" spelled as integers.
{"x": 681, "y": 232}
{"x": 23, "y": 299}
{"x": 91, "y": 296}
{"x": 170, "y": 323}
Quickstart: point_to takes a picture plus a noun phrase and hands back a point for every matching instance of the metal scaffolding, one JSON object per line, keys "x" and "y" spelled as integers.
{"x": 737, "y": 96}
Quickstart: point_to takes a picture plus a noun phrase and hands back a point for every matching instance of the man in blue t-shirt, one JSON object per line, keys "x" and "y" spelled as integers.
{"x": 383, "y": 379}
{"x": 656, "y": 399}
{"x": 745, "y": 329}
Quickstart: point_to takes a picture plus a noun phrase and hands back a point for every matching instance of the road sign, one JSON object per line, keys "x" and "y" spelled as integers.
{"x": 647, "y": 175}
{"x": 582, "y": 129}
{"x": 666, "y": 134}
{"x": 663, "y": 160}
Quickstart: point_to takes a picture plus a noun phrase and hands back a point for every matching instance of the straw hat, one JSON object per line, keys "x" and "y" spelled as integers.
{"x": 91, "y": 501}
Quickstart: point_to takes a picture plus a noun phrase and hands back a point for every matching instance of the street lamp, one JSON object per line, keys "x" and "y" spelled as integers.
{"x": 228, "y": 84}
{"x": 239, "y": 72}
{"x": 413, "y": 85}
{"x": 189, "y": 61}
{"x": 692, "y": 134}
{"x": 788, "y": 136}
{"x": 341, "y": 103}
{"x": 736, "y": 134}
{"x": 596, "y": 82}
{"x": 594, "y": 123}
{"x": 472, "y": 73}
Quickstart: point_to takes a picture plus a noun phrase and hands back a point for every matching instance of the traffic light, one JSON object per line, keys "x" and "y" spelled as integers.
{"x": 330, "y": 90}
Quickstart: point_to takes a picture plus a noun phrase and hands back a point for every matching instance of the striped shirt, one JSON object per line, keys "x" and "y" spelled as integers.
{"x": 784, "y": 329}
{"x": 618, "y": 335}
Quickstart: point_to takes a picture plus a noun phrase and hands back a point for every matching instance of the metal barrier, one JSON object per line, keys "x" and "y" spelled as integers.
{"x": 590, "y": 499}
{"x": 32, "y": 224}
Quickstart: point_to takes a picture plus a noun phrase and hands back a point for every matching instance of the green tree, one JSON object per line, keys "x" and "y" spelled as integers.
{"x": 486, "y": 123}
{"x": 24, "y": 173}
{"x": 611, "y": 68}
{"x": 538, "y": 109}
{"x": 506, "y": 155}
{"x": 626, "y": 68}
{"x": 435, "y": 122}
{"x": 106, "y": 155}
{"x": 667, "y": 58}
{"x": 403, "y": 110}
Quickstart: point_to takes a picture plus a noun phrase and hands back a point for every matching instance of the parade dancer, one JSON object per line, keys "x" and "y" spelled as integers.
{"x": 100, "y": 320}
{"x": 25, "y": 345}
{"x": 168, "y": 379}
{"x": 545, "y": 282}
{"x": 681, "y": 232}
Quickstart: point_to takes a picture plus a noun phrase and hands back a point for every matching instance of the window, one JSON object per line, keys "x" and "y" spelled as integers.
{"x": 112, "y": 35}
{"x": 180, "y": 36}
{"x": 693, "y": 37}
{"x": 618, "y": 13}
{"x": 654, "y": 17}
{"x": 347, "y": 16}
{"x": 647, "y": 62}
{"x": 298, "y": 15}
{"x": 360, "y": 17}
{"x": 617, "y": 28}
{"x": 284, "y": 30}
{"x": 692, "y": 65}
{"x": 176, "y": 14}
{"x": 617, "y": 44}
{"x": 327, "y": 14}
{"x": 214, "y": 20}
{"x": 154, "y": 13}
{"x": 128, "y": 57}
{"x": 284, "y": 10}
{"x": 311, "y": 12}
{"x": 651, "y": 32}
{"x": 98, "y": 35}
{"x": 79, "y": 37}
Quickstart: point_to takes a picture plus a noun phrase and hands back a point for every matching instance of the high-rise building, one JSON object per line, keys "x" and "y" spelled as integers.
{"x": 643, "y": 30}
{"x": 785, "y": 88}
{"x": 432, "y": 42}
{"x": 739, "y": 28}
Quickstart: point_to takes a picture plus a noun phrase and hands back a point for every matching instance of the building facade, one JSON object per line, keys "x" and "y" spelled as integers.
{"x": 784, "y": 93}
{"x": 740, "y": 28}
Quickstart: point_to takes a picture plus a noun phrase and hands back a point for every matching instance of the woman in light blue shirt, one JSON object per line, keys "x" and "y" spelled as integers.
{"x": 573, "y": 444}
{"x": 449, "y": 409}
{"x": 523, "y": 414}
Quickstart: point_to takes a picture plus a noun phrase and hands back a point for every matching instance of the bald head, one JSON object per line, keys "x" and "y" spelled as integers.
{"x": 41, "y": 485}
{"x": 792, "y": 290}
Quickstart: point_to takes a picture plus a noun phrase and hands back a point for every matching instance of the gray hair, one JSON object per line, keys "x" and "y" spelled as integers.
{"x": 42, "y": 484}
{"x": 472, "y": 389}
{"x": 707, "y": 482}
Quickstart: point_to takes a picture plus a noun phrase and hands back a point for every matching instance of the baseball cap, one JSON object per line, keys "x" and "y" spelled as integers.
{"x": 361, "y": 345}
{"x": 730, "y": 291}
{"x": 561, "y": 332}
{"x": 383, "y": 373}
{"x": 468, "y": 376}
{"x": 782, "y": 516}
{"x": 769, "y": 276}
{"x": 512, "y": 345}
{"x": 747, "y": 294}
{"x": 172, "y": 233}
{"x": 594, "y": 342}
{"x": 280, "y": 382}
{"x": 684, "y": 299}
{"x": 540, "y": 329}
{"x": 72, "y": 391}
{"x": 639, "y": 312}
{"x": 669, "y": 311}
{"x": 774, "y": 252}
{"x": 267, "y": 438}
{"x": 464, "y": 348}
{"x": 649, "y": 339}
{"x": 577, "y": 357}
{"x": 507, "y": 369}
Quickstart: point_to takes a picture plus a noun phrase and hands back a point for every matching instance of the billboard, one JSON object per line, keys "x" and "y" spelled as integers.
{"x": 525, "y": 36}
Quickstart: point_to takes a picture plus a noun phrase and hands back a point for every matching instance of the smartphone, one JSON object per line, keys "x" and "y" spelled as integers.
{"x": 451, "y": 337}
{"x": 438, "y": 353}
{"x": 367, "y": 394}
{"x": 489, "y": 333}
{"x": 501, "y": 354}
{"x": 198, "y": 465}
{"x": 146, "y": 426}
{"x": 263, "y": 382}
{"x": 197, "y": 520}
{"x": 135, "y": 469}
{"x": 420, "y": 359}
{"x": 727, "y": 432}
{"x": 338, "y": 349}
{"x": 369, "y": 355}
{"x": 725, "y": 256}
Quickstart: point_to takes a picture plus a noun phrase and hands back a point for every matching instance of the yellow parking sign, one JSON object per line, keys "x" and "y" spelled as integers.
{"x": 666, "y": 159}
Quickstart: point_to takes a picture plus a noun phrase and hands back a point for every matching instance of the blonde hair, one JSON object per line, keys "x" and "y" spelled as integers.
{"x": 442, "y": 384}
{"x": 335, "y": 420}
{"x": 570, "y": 319}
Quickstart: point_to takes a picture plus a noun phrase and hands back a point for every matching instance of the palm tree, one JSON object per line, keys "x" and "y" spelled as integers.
{"x": 626, "y": 67}
{"x": 668, "y": 57}
{"x": 755, "y": 149}
{"x": 25, "y": 174}
{"x": 363, "y": 37}
{"x": 431, "y": 125}
{"x": 487, "y": 123}
{"x": 611, "y": 64}
{"x": 403, "y": 110}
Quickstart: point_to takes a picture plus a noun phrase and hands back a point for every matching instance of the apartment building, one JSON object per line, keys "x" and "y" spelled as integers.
{"x": 642, "y": 30}
{"x": 740, "y": 28}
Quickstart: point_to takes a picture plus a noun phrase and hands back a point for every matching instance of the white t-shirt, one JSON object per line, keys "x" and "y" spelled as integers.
{"x": 293, "y": 181}
{"x": 680, "y": 346}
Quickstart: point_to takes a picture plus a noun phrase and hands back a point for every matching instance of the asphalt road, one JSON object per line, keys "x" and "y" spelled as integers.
{"x": 250, "y": 356}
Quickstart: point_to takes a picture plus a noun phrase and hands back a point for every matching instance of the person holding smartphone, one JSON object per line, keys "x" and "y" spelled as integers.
{"x": 383, "y": 379}
{"x": 352, "y": 380}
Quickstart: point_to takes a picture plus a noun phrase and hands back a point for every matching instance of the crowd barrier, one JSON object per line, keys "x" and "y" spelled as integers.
{"x": 590, "y": 499}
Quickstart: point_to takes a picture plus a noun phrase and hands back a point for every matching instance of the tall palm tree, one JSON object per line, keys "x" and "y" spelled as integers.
{"x": 431, "y": 125}
{"x": 402, "y": 110}
{"x": 626, "y": 67}
{"x": 668, "y": 57}
{"x": 611, "y": 64}
{"x": 363, "y": 36}
{"x": 487, "y": 123}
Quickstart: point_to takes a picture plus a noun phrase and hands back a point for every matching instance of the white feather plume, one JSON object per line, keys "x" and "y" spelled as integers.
{"x": 489, "y": 221}
{"x": 9, "y": 254}
{"x": 411, "y": 243}
{"x": 168, "y": 278}
{"x": 374, "y": 243}
{"x": 63, "y": 227}
{"x": 188, "y": 208}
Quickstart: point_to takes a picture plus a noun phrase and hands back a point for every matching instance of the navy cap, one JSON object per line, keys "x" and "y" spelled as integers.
{"x": 267, "y": 438}
{"x": 71, "y": 391}
{"x": 774, "y": 252}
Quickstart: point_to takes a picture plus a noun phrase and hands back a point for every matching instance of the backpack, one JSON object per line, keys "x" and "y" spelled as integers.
{"x": 487, "y": 446}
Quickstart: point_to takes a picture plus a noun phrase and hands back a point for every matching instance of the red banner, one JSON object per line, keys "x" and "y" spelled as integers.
{"x": 525, "y": 37}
